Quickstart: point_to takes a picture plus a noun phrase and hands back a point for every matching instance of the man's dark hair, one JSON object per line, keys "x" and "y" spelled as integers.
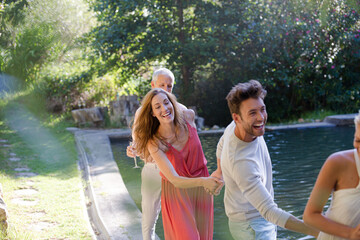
{"x": 242, "y": 92}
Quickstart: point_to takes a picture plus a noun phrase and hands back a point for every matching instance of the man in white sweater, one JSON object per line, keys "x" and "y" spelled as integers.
{"x": 245, "y": 164}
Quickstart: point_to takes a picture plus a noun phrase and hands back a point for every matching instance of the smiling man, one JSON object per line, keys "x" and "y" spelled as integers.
{"x": 245, "y": 165}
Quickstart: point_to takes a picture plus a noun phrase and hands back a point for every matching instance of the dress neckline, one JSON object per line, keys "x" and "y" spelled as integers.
{"x": 187, "y": 141}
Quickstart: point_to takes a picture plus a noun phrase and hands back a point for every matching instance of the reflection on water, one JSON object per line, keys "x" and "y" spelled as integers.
{"x": 297, "y": 156}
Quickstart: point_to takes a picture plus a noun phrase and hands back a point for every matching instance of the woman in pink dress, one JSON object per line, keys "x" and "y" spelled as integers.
{"x": 170, "y": 138}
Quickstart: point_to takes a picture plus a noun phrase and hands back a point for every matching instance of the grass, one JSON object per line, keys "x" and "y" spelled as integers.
{"x": 44, "y": 146}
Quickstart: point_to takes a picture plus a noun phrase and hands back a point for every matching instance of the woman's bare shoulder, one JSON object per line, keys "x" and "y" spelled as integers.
{"x": 152, "y": 146}
{"x": 341, "y": 159}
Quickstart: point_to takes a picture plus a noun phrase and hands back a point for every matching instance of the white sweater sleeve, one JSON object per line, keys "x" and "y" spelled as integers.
{"x": 247, "y": 176}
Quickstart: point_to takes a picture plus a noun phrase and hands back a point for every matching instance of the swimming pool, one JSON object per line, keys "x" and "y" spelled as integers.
{"x": 297, "y": 156}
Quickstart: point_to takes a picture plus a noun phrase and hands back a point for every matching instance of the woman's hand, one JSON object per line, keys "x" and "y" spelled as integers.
{"x": 213, "y": 185}
{"x": 355, "y": 233}
{"x": 130, "y": 151}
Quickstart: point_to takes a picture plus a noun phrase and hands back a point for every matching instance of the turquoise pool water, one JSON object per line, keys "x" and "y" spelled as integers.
{"x": 297, "y": 156}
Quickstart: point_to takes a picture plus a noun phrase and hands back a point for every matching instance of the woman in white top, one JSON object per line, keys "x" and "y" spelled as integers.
{"x": 340, "y": 176}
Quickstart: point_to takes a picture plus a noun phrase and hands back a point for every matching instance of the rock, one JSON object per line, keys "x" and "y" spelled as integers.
{"x": 92, "y": 116}
{"x": 215, "y": 127}
{"x": 199, "y": 121}
{"x": 3, "y": 211}
{"x": 341, "y": 120}
{"x": 122, "y": 111}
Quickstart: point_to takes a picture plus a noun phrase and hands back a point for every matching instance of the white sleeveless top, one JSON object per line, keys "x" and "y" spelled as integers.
{"x": 345, "y": 206}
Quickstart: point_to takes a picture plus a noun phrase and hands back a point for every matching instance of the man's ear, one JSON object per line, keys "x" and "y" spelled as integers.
{"x": 152, "y": 84}
{"x": 236, "y": 117}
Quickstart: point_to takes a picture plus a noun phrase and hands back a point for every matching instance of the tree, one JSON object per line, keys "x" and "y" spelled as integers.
{"x": 305, "y": 58}
{"x": 35, "y": 33}
{"x": 133, "y": 33}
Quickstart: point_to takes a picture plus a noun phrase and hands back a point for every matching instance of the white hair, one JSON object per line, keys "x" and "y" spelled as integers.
{"x": 162, "y": 71}
{"x": 357, "y": 119}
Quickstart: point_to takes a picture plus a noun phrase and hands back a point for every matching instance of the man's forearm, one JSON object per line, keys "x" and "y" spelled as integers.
{"x": 297, "y": 225}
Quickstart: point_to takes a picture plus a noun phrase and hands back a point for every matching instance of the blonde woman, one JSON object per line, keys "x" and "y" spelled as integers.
{"x": 169, "y": 136}
{"x": 339, "y": 176}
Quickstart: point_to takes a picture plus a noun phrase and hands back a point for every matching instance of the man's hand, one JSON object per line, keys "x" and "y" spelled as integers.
{"x": 219, "y": 179}
{"x": 218, "y": 175}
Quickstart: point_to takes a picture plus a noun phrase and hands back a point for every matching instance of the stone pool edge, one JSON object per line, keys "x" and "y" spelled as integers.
{"x": 112, "y": 212}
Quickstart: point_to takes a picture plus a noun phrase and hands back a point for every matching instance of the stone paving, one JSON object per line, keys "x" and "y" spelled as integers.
{"x": 43, "y": 145}
{"x": 27, "y": 195}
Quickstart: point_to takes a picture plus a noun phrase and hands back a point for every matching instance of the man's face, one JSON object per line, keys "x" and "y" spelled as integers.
{"x": 164, "y": 82}
{"x": 252, "y": 119}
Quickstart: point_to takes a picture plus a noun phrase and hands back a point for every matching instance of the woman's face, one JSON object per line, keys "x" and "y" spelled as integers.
{"x": 162, "y": 108}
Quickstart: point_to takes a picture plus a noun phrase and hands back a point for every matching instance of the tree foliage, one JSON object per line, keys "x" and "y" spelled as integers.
{"x": 134, "y": 33}
{"x": 305, "y": 53}
{"x": 34, "y": 33}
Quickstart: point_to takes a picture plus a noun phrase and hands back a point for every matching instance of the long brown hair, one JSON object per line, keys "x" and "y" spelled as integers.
{"x": 146, "y": 126}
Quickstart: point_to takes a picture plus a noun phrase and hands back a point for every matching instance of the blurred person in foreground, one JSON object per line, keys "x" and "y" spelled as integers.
{"x": 338, "y": 176}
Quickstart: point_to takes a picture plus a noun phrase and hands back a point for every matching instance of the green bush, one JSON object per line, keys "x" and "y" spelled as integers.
{"x": 37, "y": 33}
{"x": 307, "y": 60}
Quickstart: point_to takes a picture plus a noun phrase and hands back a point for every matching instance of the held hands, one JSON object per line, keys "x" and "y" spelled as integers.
{"x": 213, "y": 185}
{"x": 218, "y": 175}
